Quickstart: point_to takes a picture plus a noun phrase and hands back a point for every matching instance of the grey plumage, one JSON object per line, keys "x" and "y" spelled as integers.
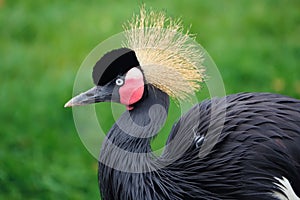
{"x": 260, "y": 140}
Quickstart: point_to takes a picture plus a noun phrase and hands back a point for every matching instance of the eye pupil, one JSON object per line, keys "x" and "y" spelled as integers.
{"x": 119, "y": 82}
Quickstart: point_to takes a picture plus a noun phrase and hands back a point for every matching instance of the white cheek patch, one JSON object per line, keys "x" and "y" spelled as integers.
{"x": 134, "y": 73}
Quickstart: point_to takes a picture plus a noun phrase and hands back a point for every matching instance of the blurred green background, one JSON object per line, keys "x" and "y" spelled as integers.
{"x": 255, "y": 44}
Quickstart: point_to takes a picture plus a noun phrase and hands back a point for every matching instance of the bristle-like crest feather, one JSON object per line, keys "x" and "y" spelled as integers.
{"x": 169, "y": 59}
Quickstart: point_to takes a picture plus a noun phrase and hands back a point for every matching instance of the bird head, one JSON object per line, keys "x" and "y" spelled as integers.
{"x": 118, "y": 77}
{"x": 156, "y": 52}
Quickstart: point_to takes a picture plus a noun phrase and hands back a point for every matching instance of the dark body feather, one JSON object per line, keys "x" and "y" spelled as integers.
{"x": 259, "y": 140}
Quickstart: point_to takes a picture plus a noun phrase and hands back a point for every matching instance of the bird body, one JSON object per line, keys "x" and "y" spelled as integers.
{"x": 239, "y": 147}
{"x": 258, "y": 145}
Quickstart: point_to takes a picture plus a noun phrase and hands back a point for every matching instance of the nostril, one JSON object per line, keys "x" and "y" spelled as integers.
{"x": 89, "y": 94}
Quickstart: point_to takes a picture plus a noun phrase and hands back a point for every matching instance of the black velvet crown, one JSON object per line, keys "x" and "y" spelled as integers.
{"x": 114, "y": 63}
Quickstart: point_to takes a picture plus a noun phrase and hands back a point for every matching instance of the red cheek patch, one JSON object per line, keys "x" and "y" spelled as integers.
{"x": 133, "y": 88}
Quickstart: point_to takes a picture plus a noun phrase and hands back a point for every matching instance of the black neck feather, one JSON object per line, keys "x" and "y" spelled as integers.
{"x": 135, "y": 128}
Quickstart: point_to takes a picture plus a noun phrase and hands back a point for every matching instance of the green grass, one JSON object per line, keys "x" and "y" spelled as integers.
{"x": 255, "y": 45}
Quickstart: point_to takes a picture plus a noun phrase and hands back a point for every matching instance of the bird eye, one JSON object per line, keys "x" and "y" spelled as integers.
{"x": 119, "y": 82}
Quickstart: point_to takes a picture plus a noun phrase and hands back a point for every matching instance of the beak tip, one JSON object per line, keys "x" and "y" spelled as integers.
{"x": 68, "y": 104}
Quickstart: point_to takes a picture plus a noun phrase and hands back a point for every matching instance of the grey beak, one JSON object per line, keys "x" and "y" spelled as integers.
{"x": 93, "y": 95}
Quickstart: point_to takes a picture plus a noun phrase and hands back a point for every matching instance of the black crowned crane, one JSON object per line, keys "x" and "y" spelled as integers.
{"x": 253, "y": 154}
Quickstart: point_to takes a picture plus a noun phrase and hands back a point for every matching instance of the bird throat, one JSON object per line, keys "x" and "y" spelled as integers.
{"x": 133, "y": 131}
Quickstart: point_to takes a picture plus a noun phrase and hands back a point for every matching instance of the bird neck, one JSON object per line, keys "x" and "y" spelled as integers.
{"x": 135, "y": 128}
{"x": 127, "y": 145}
